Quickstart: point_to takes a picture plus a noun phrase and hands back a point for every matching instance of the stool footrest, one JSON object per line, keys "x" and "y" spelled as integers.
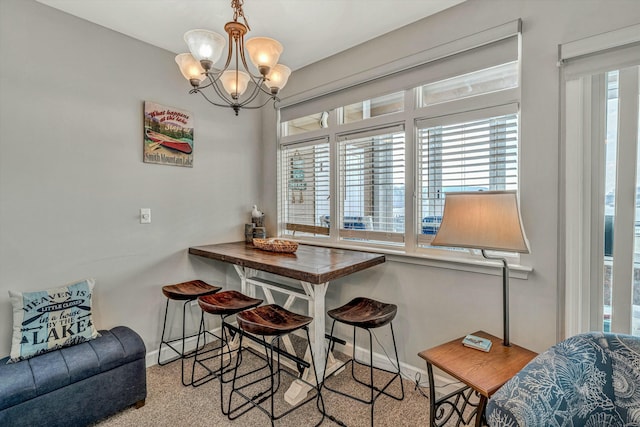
{"x": 292, "y": 357}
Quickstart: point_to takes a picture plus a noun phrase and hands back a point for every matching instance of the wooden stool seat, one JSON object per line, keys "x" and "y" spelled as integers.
{"x": 227, "y": 302}
{"x": 223, "y": 304}
{"x": 364, "y": 313}
{"x": 271, "y": 320}
{"x": 185, "y": 291}
{"x": 256, "y": 390}
{"x": 189, "y": 290}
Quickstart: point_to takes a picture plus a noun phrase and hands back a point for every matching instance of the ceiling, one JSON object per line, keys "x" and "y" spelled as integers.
{"x": 310, "y": 30}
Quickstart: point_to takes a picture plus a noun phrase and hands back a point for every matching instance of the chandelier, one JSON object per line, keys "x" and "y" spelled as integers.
{"x": 234, "y": 87}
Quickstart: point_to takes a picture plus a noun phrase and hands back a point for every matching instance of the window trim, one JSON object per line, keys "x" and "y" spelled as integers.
{"x": 410, "y": 252}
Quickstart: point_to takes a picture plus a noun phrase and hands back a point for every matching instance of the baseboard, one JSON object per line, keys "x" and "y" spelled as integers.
{"x": 444, "y": 385}
{"x": 151, "y": 357}
{"x": 412, "y": 373}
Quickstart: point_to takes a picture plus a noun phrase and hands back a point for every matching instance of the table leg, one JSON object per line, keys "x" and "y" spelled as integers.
{"x": 298, "y": 390}
{"x": 243, "y": 278}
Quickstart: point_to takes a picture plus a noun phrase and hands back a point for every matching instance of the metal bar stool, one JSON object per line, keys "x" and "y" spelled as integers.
{"x": 187, "y": 292}
{"x": 274, "y": 322}
{"x": 223, "y": 304}
{"x": 366, "y": 314}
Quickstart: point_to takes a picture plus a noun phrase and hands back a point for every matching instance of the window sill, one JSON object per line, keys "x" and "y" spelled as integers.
{"x": 475, "y": 265}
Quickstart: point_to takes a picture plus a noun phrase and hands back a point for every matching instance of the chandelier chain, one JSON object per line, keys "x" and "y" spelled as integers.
{"x": 238, "y": 12}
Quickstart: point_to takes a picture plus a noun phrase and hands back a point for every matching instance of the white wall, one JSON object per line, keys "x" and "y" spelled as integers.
{"x": 72, "y": 179}
{"x": 437, "y": 304}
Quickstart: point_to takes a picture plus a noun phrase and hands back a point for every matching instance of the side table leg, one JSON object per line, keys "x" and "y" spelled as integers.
{"x": 482, "y": 404}
{"x": 432, "y": 396}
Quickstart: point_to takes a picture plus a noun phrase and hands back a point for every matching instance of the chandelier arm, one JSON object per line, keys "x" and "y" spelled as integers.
{"x": 250, "y": 98}
{"x": 214, "y": 103}
{"x": 268, "y": 92}
{"x": 255, "y": 107}
{"x": 254, "y": 77}
{"x": 244, "y": 60}
{"x": 212, "y": 78}
{"x": 213, "y": 83}
{"x": 229, "y": 55}
{"x": 221, "y": 93}
{"x": 209, "y": 84}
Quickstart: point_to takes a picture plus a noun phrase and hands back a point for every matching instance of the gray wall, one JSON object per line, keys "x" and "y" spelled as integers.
{"x": 437, "y": 304}
{"x": 72, "y": 179}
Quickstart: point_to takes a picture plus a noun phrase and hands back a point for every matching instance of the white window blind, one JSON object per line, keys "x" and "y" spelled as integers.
{"x": 305, "y": 188}
{"x": 372, "y": 185}
{"x": 479, "y": 154}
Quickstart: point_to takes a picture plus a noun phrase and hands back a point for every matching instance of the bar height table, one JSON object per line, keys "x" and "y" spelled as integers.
{"x": 312, "y": 266}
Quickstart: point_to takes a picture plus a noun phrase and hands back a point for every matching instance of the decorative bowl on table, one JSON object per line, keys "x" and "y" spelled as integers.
{"x": 276, "y": 245}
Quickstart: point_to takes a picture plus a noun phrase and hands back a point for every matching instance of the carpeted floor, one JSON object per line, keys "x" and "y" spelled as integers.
{"x": 169, "y": 403}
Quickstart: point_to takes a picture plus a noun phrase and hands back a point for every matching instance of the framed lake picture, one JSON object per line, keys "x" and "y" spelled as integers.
{"x": 168, "y": 135}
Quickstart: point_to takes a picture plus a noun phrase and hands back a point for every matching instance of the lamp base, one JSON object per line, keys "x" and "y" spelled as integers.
{"x": 505, "y": 297}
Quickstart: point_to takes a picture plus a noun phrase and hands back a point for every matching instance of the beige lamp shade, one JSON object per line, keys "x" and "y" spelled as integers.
{"x": 205, "y": 45}
{"x": 482, "y": 220}
{"x": 277, "y": 77}
{"x": 190, "y": 67}
{"x": 263, "y": 52}
{"x": 235, "y": 82}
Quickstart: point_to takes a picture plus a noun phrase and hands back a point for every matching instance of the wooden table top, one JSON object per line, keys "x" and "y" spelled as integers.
{"x": 485, "y": 372}
{"x": 312, "y": 264}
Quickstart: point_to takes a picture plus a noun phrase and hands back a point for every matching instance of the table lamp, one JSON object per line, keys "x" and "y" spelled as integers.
{"x": 485, "y": 220}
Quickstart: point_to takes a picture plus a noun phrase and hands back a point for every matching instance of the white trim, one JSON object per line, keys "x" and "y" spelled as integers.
{"x": 599, "y": 43}
{"x": 575, "y": 133}
{"x": 409, "y": 372}
{"x": 151, "y": 358}
{"x": 452, "y": 262}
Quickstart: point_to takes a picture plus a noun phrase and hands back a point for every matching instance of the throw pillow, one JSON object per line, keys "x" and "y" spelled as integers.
{"x": 50, "y": 319}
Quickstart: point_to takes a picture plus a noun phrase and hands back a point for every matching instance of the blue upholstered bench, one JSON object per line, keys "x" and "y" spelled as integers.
{"x": 75, "y": 386}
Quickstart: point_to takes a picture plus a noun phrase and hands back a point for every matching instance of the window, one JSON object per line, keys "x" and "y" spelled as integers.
{"x": 305, "y": 194}
{"x": 305, "y": 124}
{"x": 470, "y": 155}
{"x": 372, "y": 191}
{"x": 368, "y": 166}
{"x": 472, "y": 84}
{"x": 376, "y": 107}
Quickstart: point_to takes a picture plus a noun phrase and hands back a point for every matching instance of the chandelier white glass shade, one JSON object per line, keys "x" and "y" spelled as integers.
{"x": 234, "y": 87}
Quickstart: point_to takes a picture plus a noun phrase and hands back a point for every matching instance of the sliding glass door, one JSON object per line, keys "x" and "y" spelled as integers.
{"x": 600, "y": 183}
{"x": 621, "y": 213}
{"x": 602, "y": 203}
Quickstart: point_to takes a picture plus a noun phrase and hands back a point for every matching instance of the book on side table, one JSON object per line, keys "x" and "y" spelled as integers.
{"x": 476, "y": 342}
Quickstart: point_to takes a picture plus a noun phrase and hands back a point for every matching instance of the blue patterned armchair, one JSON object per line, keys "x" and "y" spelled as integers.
{"x": 587, "y": 380}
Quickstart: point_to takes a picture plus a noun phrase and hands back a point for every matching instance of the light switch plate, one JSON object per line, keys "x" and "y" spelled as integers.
{"x": 145, "y": 216}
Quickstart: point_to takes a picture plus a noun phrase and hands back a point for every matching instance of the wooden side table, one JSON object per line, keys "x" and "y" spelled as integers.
{"x": 483, "y": 373}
